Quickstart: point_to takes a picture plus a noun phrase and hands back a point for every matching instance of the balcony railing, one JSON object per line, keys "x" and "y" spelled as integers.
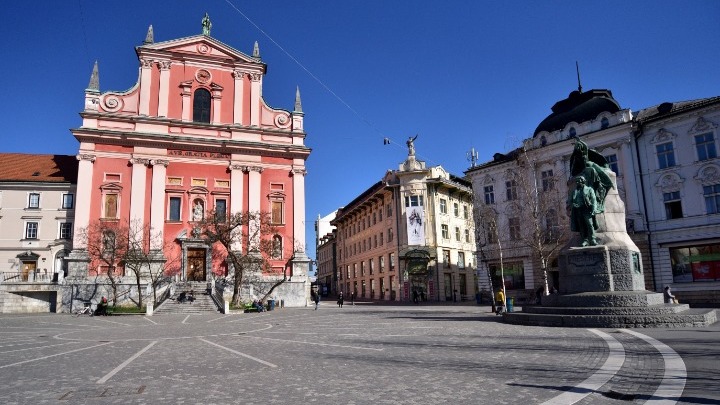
{"x": 29, "y": 277}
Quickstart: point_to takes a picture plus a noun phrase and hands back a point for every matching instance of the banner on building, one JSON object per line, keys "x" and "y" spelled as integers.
{"x": 416, "y": 226}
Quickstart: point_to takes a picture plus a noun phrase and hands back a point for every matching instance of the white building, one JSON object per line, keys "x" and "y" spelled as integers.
{"x": 37, "y": 203}
{"x": 668, "y": 176}
{"x": 680, "y": 177}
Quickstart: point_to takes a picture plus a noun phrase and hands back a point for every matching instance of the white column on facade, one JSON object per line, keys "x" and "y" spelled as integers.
{"x": 255, "y": 90}
{"x": 628, "y": 172}
{"x": 254, "y": 181}
{"x": 157, "y": 202}
{"x": 216, "y": 107}
{"x": 83, "y": 197}
{"x": 299, "y": 206}
{"x": 239, "y": 77}
{"x": 137, "y": 191}
{"x": 164, "y": 92}
{"x": 186, "y": 93}
{"x": 236, "y": 195}
{"x": 145, "y": 85}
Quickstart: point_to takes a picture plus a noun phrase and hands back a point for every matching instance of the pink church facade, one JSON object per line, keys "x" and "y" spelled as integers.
{"x": 193, "y": 135}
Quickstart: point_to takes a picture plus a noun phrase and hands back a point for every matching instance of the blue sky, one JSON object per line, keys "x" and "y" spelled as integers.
{"x": 461, "y": 74}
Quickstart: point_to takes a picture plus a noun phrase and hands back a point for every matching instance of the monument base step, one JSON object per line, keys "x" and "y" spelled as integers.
{"x": 688, "y": 318}
{"x": 648, "y": 310}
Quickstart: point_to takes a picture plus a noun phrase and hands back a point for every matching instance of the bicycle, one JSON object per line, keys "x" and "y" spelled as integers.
{"x": 85, "y": 310}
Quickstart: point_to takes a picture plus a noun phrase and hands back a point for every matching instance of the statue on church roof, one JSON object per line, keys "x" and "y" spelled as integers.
{"x": 206, "y": 25}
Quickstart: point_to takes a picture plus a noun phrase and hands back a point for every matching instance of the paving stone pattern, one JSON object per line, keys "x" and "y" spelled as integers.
{"x": 356, "y": 355}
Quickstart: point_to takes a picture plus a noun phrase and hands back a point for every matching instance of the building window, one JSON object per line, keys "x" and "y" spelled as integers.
{"x": 514, "y": 276}
{"x": 461, "y": 260}
{"x": 543, "y": 141}
{"x": 354, "y": 270}
{"x": 347, "y": 270}
{"x": 34, "y": 200}
{"x": 110, "y": 206}
{"x": 467, "y": 236}
{"x": 489, "y": 195}
{"x": 673, "y": 205}
{"x": 67, "y": 201}
{"x": 572, "y": 132}
{"x": 381, "y": 261}
{"x": 201, "y": 106}
{"x": 66, "y": 230}
{"x": 277, "y": 209}
{"x": 511, "y": 190}
{"x": 456, "y": 210}
{"x": 712, "y": 198}
{"x": 362, "y": 288}
{"x": 445, "y": 231}
{"x": 31, "y": 230}
{"x": 446, "y": 258}
{"x": 443, "y": 206}
{"x": 414, "y": 201}
{"x": 372, "y": 266}
{"x": 221, "y": 210}
{"x": 277, "y": 247}
{"x": 466, "y": 212}
{"x": 392, "y": 261}
{"x": 548, "y": 181}
{"x": 381, "y": 238}
{"x": 514, "y": 227}
{"x": 613, "y": 163}
{"x": 457, "y": 234}
{"x": 604, "y": 123}
{"x": 174, "y": 209}
{"x": 552, "y": 226}
{"x": 695, "y": 263}
{"x": 665, "y": 155}
{"x": 389, "y": 210}
{"x": 705, "y": 144}
{"x": 390, "y": 235}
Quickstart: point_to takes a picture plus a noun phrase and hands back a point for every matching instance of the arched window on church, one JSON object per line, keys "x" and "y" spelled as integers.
{"x": 201, "y": 106}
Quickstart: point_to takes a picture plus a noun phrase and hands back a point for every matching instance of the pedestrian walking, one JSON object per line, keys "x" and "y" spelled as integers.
{"x": 415, "y": 295}
{"x": 316, "y": 298}
{"x": 340, "y": 299}
{"x": 499, "y": 302}
{"x": 352, "y": 298}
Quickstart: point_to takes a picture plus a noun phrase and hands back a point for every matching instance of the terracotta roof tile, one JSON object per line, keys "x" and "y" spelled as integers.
{"x": 38, "y": 168}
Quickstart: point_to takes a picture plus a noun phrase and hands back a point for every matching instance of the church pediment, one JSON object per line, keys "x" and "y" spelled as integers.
{"x": 199, "y": 45}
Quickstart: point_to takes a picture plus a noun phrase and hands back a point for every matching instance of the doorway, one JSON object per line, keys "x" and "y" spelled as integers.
{"x": 196, "y": 264}
{"x": 27, "y": 268}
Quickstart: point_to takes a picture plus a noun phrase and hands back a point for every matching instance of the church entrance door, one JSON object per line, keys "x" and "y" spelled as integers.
{"x": 196, "y": 265}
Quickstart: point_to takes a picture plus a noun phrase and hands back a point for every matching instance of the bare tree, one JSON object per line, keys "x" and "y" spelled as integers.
{"x": 544, "y": 227}
{"x": 106, "y": 243}
{"x": 250, "y": 242}
{"x": 146, "y": 259}
{"x": 489, "y": 242}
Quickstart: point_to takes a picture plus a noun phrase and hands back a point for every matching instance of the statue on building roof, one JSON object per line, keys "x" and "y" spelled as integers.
{"x": 411, "y": 145}
{"x": 206, "y": 25}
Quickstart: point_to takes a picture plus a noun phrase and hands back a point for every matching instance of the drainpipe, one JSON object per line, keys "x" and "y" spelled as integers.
{"x": 638, "y": 133}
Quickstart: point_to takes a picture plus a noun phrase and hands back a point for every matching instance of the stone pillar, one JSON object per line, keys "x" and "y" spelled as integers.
{"x": 164, "y": 88}
{"x": 84, "y": 196}
{"x": 236, "y": 195}
{"x": 145, "y": 85}
{"x": 299, "y": 206}
{"x": 157, "y": 202}
{"x": 239, "y": 77}
{"x": 255, "y": 95}
{"x": 137, "y": 192}
{"x": 216, "y": 95}
{"x": 186, "y": 93}
{"x": 254, "y": 177}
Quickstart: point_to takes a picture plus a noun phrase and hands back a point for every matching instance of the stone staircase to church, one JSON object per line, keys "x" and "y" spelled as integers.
{"x": 203, "y": 303}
